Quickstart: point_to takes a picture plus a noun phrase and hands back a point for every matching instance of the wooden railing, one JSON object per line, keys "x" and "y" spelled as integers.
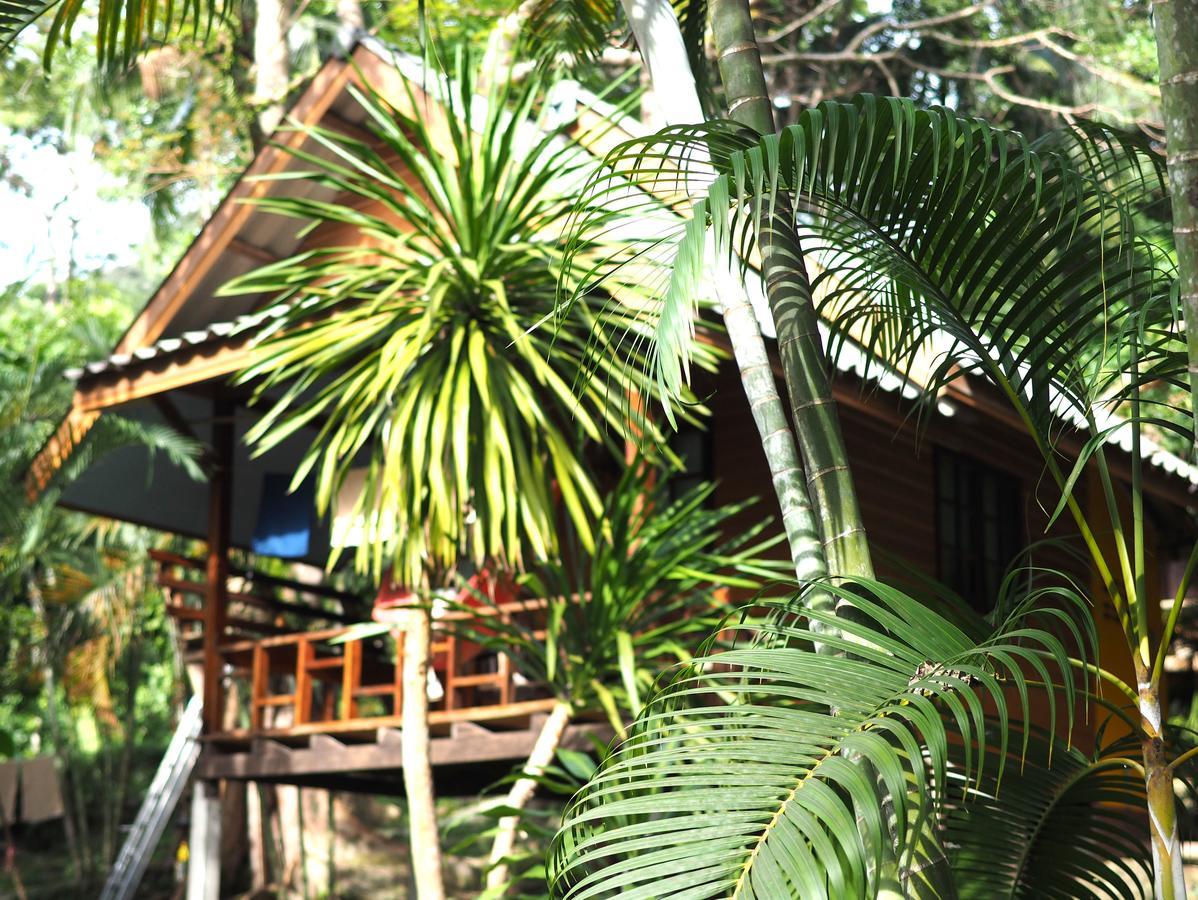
{"x": 258, "y": 604}
{"x": 338, "y": 680}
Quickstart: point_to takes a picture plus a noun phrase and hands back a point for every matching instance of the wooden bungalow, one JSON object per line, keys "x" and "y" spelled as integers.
{"x": 954, "y": 499}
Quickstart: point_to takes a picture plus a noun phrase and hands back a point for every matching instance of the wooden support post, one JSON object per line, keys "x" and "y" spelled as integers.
{"x": 203, "y": 842}
{"x": 220, "y": 491}
{"x": 504, "y": 666}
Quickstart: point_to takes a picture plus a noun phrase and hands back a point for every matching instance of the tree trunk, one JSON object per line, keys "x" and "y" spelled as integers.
{"x": 272, "y": 71}
{"x": 804, "y": 369}
{"x": 788, "y": 291}
{"x": 1176, "y": 23}
{"x": 46, "y": 661}
{"x": 659, "y": 38}
{"x": 523, "y": 789}
{"x": 1168, "y": 875}
{"x": 132, "y": 668}
{"x": 417, "y": 766}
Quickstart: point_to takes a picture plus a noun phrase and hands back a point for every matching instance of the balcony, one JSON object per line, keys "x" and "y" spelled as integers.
{"x": 322, "y": 706}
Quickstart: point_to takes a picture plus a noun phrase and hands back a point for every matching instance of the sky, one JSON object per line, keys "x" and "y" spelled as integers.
{"x": 35, "y": 236}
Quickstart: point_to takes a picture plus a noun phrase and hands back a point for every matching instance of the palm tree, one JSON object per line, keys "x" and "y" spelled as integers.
{"x": 1013, "y": 261}
{"x": 79, "y": 579}
{"x": 122, "y": 31}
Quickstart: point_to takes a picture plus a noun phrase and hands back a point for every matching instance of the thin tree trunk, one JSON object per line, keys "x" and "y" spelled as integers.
{"x": 804, "y": 368}
{"x": 272, "y": 71}
{"x": 417, "y": 766}
{"x": 1176, "y": 23}
{"x": 82, "y": 828}
{"x": 55, "y": 725}
{"x": 1168, "y": 874}
{"x": 124, "y": 766}
{"x": 659, "y": 38}
{"x": 788, "y": 290}
{"x": 523, "y": 788}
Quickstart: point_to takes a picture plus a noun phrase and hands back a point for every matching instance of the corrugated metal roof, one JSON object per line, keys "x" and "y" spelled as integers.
{"x": 166, "y": 348}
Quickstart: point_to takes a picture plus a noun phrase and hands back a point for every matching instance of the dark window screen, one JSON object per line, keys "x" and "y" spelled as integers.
{"x": 693, "y": 446}
{"x": 978, "y": 526}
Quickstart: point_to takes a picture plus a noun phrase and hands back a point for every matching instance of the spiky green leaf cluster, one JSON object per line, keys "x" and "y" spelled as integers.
{"x": 416, "y": 348}
{"x": 123, "y": 29}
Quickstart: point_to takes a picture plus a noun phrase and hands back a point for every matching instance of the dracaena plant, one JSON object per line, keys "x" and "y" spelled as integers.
{"x": 938, "y": 245}
{"x": 417, "y": 345}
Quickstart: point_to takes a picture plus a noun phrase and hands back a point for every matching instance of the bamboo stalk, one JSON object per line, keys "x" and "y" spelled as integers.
{"x": 659, "y": 38}
{"x": 788, "y": 291}
{"x": 1177, "y": 50}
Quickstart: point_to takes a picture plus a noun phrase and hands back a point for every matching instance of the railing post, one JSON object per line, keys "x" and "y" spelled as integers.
{"x": 259, "y": 677}
{"x": 451, "y": 670}
{"x": 351, "y": 677}
{"x": 303, "y": 682}
{"x": 504, "y": 665}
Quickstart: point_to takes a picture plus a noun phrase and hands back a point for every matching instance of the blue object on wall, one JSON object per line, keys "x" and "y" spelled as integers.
{"x": 284, "y": 527}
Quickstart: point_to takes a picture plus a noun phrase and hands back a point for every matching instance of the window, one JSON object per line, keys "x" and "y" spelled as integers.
{"x": 978, "y": 528}
{"x": 693, "y": 446}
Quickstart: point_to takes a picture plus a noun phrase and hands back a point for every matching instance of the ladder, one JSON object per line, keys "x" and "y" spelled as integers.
{"x": 165, "y": 791}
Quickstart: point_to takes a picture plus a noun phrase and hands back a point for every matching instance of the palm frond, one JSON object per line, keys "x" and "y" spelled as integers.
{"x": 1069, "y": 824}
{"x": 569, "y": 29}
{"x": 942, "y": 245}
{"x": 436, "y": 374}
{"x": 753, "y": 773}
{"x": 16, "y": 16}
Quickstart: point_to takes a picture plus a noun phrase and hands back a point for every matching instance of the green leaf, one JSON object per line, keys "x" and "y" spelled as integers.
{"x": 750, "y": 773}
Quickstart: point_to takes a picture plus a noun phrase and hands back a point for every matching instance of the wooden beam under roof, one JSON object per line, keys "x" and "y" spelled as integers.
{"x": 252, "y": 251}
{"x": 124, "y": 386}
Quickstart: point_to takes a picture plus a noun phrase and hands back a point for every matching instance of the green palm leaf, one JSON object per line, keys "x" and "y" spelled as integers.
{"x": 943, "y": 244}
{"x": 435, "y": 374}
{"x": 1070, "y": 824}
{"x": 753, "y": 773}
